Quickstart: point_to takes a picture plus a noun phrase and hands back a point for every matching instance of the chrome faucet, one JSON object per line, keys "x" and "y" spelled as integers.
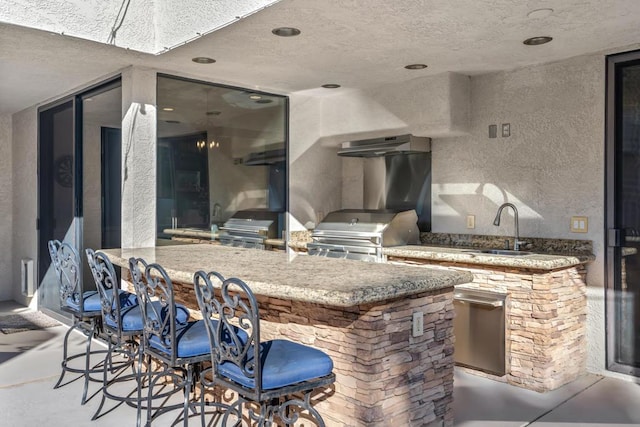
{"x": 496, "y": 222}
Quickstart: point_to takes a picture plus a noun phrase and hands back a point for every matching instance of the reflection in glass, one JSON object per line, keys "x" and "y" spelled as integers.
{"x": 221, "y": 150}
{"x": 627, "y": 286}
{"x": 56, "y": 193}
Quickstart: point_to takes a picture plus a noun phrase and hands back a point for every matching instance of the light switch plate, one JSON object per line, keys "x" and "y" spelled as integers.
{"x": 493, "y": 131}
{"x": 579, "y": 224}
{"x": 506, "y": 130}
{"x": 471, "y": 221}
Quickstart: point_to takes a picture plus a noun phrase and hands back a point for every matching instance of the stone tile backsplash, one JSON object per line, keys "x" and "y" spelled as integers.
{"x": 534, "y": 244}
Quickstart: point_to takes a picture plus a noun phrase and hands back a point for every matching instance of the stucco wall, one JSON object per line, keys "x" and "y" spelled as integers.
{"x": 430, "y": 106}
{"x": 314, "y": 167}
{"x": 25, "y": 196}
{"x": 138, "y": 157}
{"x": 6, "y": 203}
{"x": 551, "y": 167}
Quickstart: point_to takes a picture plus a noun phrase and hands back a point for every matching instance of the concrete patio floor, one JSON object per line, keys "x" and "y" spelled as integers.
{"x": 30, "y": 365}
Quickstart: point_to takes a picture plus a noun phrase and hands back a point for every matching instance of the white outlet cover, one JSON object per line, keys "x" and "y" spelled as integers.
{"x": 417, "y": 324}
{"x": 471, "y": 221}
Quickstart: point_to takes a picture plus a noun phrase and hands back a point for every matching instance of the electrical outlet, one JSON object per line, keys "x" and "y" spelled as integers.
{"x": 579, "y": 224}
{"x": 506, "y": 130}
{"x": 471, "y": 221}
{"x": 418, "y": 324}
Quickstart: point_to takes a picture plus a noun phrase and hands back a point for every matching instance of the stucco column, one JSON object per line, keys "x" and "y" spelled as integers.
{"x": 138, "y": 158}
{"x": 7, "y": 279}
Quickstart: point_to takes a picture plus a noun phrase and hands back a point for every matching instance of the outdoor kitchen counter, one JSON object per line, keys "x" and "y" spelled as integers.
{"x": 360, "y": 314}
{"x": 336, "y": 282}
{"x": 534, "y": 261}
{"x": 545, "y": 309}
{"x": 546, "y": 299}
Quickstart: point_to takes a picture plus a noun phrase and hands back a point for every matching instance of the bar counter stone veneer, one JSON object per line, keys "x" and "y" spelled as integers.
{"x": 545, "y": 312}
{"x": 358, "y": 313}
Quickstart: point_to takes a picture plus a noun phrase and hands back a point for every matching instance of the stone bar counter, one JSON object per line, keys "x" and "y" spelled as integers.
{"x": 358, "y": 313}
{"x": 546, "y": 305}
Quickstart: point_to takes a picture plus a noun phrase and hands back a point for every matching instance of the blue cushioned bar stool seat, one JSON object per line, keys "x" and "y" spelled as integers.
{"x": 277, "y": 377}
{"x": 122, "y": 324}
{"x": 83, "y": 306}
{"x": 169, "y": 340}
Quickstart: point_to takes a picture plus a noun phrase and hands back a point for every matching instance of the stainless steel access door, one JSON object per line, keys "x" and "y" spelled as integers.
{"x": 479, "y": 328}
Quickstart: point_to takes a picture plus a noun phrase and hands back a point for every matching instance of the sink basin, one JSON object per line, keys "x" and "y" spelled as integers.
{"x": 502, "y": 252}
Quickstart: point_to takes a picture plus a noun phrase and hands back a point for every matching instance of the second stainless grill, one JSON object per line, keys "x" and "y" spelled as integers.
{"x": 250, "y": 228}
{"x": 361, "y": 234}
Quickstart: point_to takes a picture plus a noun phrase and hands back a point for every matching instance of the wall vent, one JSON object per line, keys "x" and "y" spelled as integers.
{"x": 27, "y": 283}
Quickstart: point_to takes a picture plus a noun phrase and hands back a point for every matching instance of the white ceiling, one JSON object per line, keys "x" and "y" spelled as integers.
{"x": 357, "y": 44}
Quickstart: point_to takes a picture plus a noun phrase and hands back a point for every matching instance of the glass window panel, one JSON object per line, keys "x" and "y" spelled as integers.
{"x": 220, "y": 150}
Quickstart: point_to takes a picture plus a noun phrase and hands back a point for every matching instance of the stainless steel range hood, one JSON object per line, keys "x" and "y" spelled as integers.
{"x": 267, "y": 157}
{"x": 385, "y": 145}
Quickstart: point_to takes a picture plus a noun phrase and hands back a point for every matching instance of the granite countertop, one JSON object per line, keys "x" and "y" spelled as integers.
{"x": 319, "y": 280}
{"x": 209, "y": 235}
{"x": 548, "y": 254}
{"x": 274, "y": 242}
{"x": 192, "y": 232}
{"x": 537, "y": 261}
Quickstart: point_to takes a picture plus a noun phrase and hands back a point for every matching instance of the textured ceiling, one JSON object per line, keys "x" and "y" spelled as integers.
{"x": 358, "y": 44}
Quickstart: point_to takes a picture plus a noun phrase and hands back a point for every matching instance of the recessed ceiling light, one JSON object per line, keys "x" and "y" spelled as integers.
{"x": 540, "y": 13}
{"x": 167, "y": 109}
{"x": 534, "y": 41}
{"x": 203, "y": 60}
{"x": 255, "y": 97}
{"x": 415, "y": 66}
{"x": 264, "y": 101}
{"x": 286, "y": 31}
{"x": 330, "y": 86}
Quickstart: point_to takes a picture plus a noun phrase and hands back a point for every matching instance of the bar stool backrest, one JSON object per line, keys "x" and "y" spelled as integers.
{"x": 111, "y": 300}
{"x": 235, "y": 336}
{"x": 66, "y": 261}
{"x": 155, "y": 297}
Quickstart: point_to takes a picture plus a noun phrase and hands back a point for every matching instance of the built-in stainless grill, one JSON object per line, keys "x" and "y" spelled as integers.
{"x": 361, "y": 234}
{"x": 250, "y": 228}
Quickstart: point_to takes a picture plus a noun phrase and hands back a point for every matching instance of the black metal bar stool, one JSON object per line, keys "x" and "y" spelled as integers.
{"x": 169, "y": 339}
{"x": 122, "y": 325}
{"x": 274, "y": 379}
{"x": 84, "y": 307}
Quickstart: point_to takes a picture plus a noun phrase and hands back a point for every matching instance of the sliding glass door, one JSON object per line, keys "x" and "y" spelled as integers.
{"x": 623, "y": 213}
{"x": 78, "y": 180}
{"x": 57, "y": 186}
